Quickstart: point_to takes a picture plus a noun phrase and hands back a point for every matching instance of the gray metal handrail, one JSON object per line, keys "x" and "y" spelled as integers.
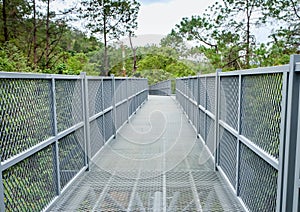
{"x": 52, "y": 125}
{"x": 249, "y": 121}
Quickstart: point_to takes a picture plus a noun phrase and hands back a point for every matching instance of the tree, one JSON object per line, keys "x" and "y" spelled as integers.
{"x": 249, "y": 10}
{"x": 225, "y": 32}
{"x": 109, "y": 18}
{"x": 14, "y": 13}
{"x": 176, "y": 42}
{"x": 287, "y": 15}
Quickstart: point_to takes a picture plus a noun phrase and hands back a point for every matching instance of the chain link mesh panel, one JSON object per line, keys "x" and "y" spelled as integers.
{"x": 119, "y": 119}
{"x": 109, "y": 125}
{"x": 195, "y": 116}
{"x": 202, "y": 124}
{"x": 210, "y": 89}
{"x": 258, "y": 182}
{"x": 228, "y": 154}
{"x": 96, "y": 135}
{"x": 261, "y": 103}
{"x": 95, "y": 97}
{"x": 71, "y": 155}
{"x": 229, "y": 100}
{"x": 210, "y": 133}
{"x": 25, "y": 115}
{"x": 107, "y": 93}
{"x": 202, "y": 91}
{"x": 195, "y": 90}
{"x": 118, "y": 90}
{"x": 68, "y": 103}
{"x": 29, "y": 185}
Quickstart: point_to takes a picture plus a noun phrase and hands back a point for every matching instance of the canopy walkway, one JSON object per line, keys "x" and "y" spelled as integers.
{"x": 227, "y": 141}
{"x": 156, "y": 163}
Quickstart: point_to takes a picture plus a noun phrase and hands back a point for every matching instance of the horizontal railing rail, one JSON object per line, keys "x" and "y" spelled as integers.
{"x": 242, "y": 117}
{"x": 51, "y": 126}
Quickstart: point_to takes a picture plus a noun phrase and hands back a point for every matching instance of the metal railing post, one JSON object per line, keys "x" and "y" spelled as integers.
{"x": 85, "y": 107}
{"x": 56, "y": 150}
{"x": 217, "y": 96}
{"x": 238, "y": 145}
{"x": 103, "y": 116}
{"x": 114, "y": 112}
{"x": 289, "y": 185}
{"x": 197, "y": 108}
{"x": 2, "y": 204}
{"x": 127, "y": 99}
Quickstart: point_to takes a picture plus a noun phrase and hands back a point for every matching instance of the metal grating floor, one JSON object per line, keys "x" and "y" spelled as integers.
{"x": 156, "y": 163}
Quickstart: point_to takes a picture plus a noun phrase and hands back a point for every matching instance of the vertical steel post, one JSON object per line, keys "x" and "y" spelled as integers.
{"x": 85, "y": 107}
{"x": 205, "y": 115}
{"x": 2, "y": 204}
{"x": 56, "y": 159}
{"x": 238, "y": 145}
{"x": 289, "y": 152}
{"x": 217, "y": 96}
{"x": 103, "y": 105}
{"x": 127, "y": 99}
{"x": 281, "y": 137}
{"x": 197, "y": 108}
{"x": 113, "y": 101}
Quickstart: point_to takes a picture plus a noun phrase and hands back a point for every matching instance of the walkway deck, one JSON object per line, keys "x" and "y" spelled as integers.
{"x": 156, "y": 163}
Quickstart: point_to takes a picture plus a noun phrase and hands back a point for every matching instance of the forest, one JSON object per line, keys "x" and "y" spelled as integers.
{"x": 38, "y": 37}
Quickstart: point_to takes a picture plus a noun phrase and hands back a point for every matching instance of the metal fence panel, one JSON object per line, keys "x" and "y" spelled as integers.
{"x": 202, "y": 92}
{"x": 30, "y": 185}
{"x": 44, "y": 131}
{"x": 210, "y": 92}
{"x": 261, "y": 111}
{"x": 95, "y": 94}
{"x": 71, "y": 155}
{"x": 249, "y": 128}
{"x": 97, "y": 135}
{"x": 107, "y": 93}
{"x": 68, "y": 103}
{"x": 229, "y": 100}
{"x": 258, "y": 182}
{"x": 26, "y": 114}
{"x": 228, "y": 154}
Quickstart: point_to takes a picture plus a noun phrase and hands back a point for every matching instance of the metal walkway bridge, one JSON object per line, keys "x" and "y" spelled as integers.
{"x": 228, "y": 141}
{"x": 154, "y": 164}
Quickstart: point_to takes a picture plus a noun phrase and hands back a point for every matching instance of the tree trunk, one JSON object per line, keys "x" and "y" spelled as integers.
{"x": 248, "y": 36}
{"x": 5, "y": 30}
{"x": 47, "y": 35}
{"x": 34, "y": 36}
{"x": 105, "y": 59}
{"x": 134, "y": 56}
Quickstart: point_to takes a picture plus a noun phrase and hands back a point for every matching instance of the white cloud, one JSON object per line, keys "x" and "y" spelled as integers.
{"x": 160, "y": 18}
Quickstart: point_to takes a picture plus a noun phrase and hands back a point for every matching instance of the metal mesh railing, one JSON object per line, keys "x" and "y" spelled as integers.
{"x": 51, "y": 125}
{"x": 163, "y": 88}
{"x": 245, "y": 141}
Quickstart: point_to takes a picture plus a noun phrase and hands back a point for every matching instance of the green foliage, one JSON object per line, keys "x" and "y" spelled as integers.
{"x": 227, "y": 41}
{"x": 154, "y": 75}
{"x": 111, "y": 19}
{"x": 179, "y": 69}
{"x": 77, "y": 62}
{"x": 12, "y": 59}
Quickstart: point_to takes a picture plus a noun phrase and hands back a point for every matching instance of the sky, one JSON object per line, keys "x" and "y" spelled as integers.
{"x": 157, "y": 16}
{"x": 161, "y": 16}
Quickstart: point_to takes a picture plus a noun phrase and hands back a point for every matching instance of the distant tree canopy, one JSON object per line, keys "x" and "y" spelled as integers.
{"x": 35, "y": 37}
{"x": 225, "y": 32}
